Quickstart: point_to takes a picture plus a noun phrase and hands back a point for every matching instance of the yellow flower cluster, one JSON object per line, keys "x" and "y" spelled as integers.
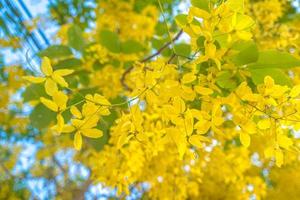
{"x": 121, "y": 16}
{"x": 84, "y": 121}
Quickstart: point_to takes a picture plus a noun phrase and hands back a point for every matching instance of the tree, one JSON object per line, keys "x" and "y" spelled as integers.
{"x": 159, "y": 103}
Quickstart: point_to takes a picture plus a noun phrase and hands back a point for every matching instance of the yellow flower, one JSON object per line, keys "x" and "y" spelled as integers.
{"x": 52, "y": 78}
{"x": 245, "y": 139}
{"x": 264, "y": 124}
{"x": 85, "y": 122}
{"x": 57, "y": 104}
{"x": 196, "y": 140}
{"x": 85, "y": 126}
{"x": 240, "y": 26}
{"x": 275, "y": 152}
{"x": 212, "y": 53}
{"x": 98, "y": 99}
{"x": 203, "y": 90}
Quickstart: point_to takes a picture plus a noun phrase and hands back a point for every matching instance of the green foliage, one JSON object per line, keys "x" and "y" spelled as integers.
{"x": 275, "y": 59}
{"x": 200, "y": 42}
{"x": 226, "y": 80}
{"x": 75, "y": 38}
{"x": 33, "y": 92}
{"x": 181, "y": 20}
{"x": 56, "y": 51}
{"x": 110, "y": 40}
{"x": 73, "y": 11}
{"x": 41, "y": 116}
{"x": 278, "y": 75}
{"x": 203, "y": 4}
{"x": 69, "y": 63}
{"x": 131, "y": 46}
{"x": 182, "y": 49}
{"x": 248, "y": 53}
{"x": 161, "y": 28}
{"x": 84, "y": 78}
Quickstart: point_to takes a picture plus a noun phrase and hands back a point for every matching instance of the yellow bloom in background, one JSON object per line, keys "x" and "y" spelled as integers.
{"x": 240, "y": 27}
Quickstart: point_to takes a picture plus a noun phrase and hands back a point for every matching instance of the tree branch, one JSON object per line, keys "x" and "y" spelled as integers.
{"x": 159, "y": 51}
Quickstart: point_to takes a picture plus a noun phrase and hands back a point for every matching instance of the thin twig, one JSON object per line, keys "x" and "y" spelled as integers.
{"x": 171, "y": 58}
{"x": 163, "y": 47}
{"x": 159, "y": 51}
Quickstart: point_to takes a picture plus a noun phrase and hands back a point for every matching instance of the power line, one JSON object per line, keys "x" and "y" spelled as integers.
{"x": 26, "y": 10}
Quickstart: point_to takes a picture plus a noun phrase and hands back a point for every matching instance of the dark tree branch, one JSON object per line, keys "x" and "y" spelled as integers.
{"x": 163, "y": 47}
{"x": 159, "y": 51}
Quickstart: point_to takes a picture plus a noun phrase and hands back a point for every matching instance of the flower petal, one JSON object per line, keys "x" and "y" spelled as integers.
{"x": 75, "y": 111}
{"x": 60, "y": 99}
{"x": 77, "y": 141}
{"x": 245, "y": 139}
{"x": 101, "y": 100}
{"x": 50, "y": 87}
{"x": 90, "y": 122}
{"x": 63, "y": 72}
{"x": 60, "y": 122}
{"x": 92, "y": 133}
{"x": 68, "y": 129}
{"x": 33, "y": 79}
{"x": 60, "y": 80}
{"x": 46, "y": 66}
{"x": 49, "y": 104}
{"x": 203, "y": 90}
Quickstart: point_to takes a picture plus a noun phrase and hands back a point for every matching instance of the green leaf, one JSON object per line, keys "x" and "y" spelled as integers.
{"x": 278, "y": 75}
{"x": 161, "y": 29}
{"x": 226, "y": 80}
{"x": 222, "y": 39}
{"x": 73, "y": 82}
{"x": 99, "y": 143}
{"x": 158, "y": 43}
{"x": 41, "y": 116}
{"x": 203, "y": 4}
{"x": 97, "y": 65}
{"x": 33, "y": 92}
{"x": 200, "y": 42}
{"x": 104, "y": 125}
{"x": 182, "y": 49}
{"x": 181, "y": 20}
{"x": 69, "y": 63}
{"x": 75, "y": 38}
{"x": 110, "y": 40}
{"x": 167, "y": 52}
{"x": 80, "y": 95}
{"x": 56, "y": 51}
{"x": 248, "y": 53}
{"x": 275, "y": 59}
{"x": 84, "y": 78}
{"x": 131, "y": 46}
{"x": 116, "y": 63}
{"x": 67, "y": 115}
